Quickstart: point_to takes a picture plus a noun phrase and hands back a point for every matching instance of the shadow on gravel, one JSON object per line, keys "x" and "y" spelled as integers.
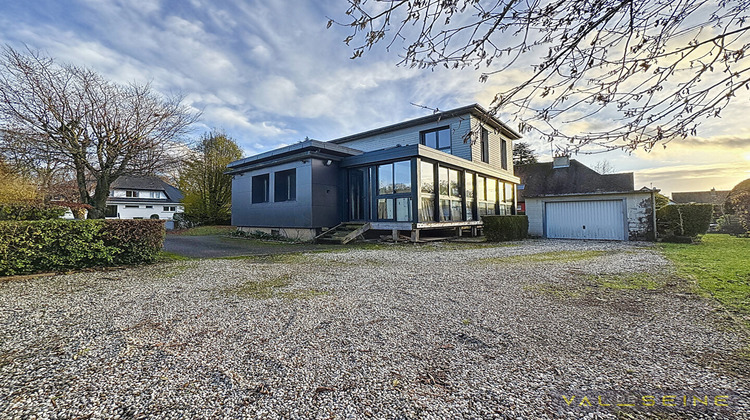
{"x": 218, "y": 246}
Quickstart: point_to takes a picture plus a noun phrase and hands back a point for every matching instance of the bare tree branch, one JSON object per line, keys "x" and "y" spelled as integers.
{"x": 99, "y": 130}
{"x": 656, "y": 68}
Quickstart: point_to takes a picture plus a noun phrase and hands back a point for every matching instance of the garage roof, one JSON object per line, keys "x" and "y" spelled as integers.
{"x": 543, "y": 179}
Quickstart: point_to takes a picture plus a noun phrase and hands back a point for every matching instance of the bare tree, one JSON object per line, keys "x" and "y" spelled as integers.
{"x": 604, "y": 167}
{"x": 656, "y": 67}
{"x": 98, "y": 129}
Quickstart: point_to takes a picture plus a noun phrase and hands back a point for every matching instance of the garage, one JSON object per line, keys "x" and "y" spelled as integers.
{"x": 591, "y": 219}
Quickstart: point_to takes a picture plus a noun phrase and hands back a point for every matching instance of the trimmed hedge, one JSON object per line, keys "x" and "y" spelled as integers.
{"x": 30, "y": 211}
{"x": 684, "y": 219}
{"x": 58, "y": 245}
{"x": 505, "y": 228}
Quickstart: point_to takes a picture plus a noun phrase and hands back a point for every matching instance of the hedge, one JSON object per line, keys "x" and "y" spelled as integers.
{"x": 58, "y": 245}
{"x": 505, "y": 228}
{"x": 30, "y": 211}
{"x": 684, "y": 219}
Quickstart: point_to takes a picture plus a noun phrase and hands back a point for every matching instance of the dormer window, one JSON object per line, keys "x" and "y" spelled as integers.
{"x": 439, "y": 139}
{"x": 131, "y": 194}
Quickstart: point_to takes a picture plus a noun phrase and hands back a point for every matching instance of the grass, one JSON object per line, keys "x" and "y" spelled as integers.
{"x": 267, "y": 289}
{"x": 166, "y": 256}
{"x": 720, "y": 267}
{"x": 206, "y": 231}
{"x": 628, "y": 281}
{"x": 559, "y": 257}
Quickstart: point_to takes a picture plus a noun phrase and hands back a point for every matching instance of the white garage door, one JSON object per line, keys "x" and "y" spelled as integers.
{"x": 603, "y": 219}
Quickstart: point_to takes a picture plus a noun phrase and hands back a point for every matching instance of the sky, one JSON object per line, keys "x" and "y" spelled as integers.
{"x": 270, "y": 75}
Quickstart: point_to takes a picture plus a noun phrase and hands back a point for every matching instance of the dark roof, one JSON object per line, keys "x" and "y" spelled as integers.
{"x": 541, "y": 179}
{"x": 707, "y": 197}
{"x": 473, "y": 109}
{"x": 153, "y": 183}
{"x": 309, "y": 148}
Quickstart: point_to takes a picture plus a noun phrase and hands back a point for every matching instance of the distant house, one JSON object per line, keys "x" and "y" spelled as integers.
{"x": 567, "y": 199}
{"x": 443, "y": 170}
{"x": 143, "y": 197}
{"x": 714, "y": 197}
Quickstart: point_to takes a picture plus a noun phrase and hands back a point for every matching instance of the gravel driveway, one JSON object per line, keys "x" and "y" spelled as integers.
{"x": 544, "y": 329}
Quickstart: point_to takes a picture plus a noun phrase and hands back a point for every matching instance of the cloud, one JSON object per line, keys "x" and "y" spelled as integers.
{"x": 230, "y": 117}
{"x": 723, "y": 142}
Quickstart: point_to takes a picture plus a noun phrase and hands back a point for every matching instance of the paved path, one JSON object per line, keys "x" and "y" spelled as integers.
{"x": 217, "y": 246}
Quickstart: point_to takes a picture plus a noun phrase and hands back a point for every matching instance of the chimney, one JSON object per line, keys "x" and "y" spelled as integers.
{"x": 561, "y": 162}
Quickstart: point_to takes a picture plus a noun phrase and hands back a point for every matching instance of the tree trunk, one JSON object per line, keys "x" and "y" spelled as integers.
{"x": 99, "y": 201}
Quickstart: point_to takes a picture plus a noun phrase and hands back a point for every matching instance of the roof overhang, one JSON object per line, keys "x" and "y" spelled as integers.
{"x": 297, "y": 151}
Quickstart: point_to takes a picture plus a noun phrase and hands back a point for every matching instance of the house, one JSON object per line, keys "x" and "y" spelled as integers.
{"x": 143, "y": 197}
{"x": 717, "y": 198}
{"x": 443, "y": 170}
{"x": 713, "y": 197}
{"x": 567, "y": 199}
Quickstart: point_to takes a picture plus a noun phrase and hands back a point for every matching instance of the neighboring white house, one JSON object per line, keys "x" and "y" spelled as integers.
{"x": 143, "y": 197}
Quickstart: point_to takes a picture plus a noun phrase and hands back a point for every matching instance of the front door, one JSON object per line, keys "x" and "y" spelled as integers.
{"x": 357, "y": 195}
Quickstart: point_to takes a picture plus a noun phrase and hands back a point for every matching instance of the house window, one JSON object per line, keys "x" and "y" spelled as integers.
{"x": 450, "y": 192}
{"x": 394, "y": 191}
{"x": 131, "y": 207}
{"x": 484, "y": 144}
{"x": 427, "y": 192}
{"x": 469, "y": 188}
{"x": 504, "y": 154}
{"x": 260, "y": 189}
{"x": 486, "y": 195}
{"x": 131, "y": 194}
{"x": 285, "y": 188}
{"x": 154, "y": 194}
{"x": 111, "y": 211}
{"x": 437, "y": 139}
{"x": 169, "y": 208}
{"x": 149, "y": 207}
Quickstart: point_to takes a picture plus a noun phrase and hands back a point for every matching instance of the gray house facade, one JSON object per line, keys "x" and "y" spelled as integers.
{"x": 439, "y": 171}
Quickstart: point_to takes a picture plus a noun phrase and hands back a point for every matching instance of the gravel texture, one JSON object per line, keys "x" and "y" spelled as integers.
{"x": 406, "y": 331}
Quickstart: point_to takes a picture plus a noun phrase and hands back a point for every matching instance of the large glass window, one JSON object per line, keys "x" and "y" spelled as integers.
{"x": 285, "y": 188}
{"x": 486, "y": 195}
{"x": 403, "y": 209}
{"x": 485, "y": 145}
{"x": 504, "y": 154}
{"x": 394, "y": 191}
{"x": 260, "y": 188}
{"x": 451, "y": 196}
{"x": 385, "y": 179}
{"x": 469, "y": 188}
{"x": 508, "y": 192}
{"x": 438, "y": 139}
{"x": 427, "y": 192}
{"x": 385, "y": 208}
{"x": 443, "y": 181}
{"x": 402, "y": 177}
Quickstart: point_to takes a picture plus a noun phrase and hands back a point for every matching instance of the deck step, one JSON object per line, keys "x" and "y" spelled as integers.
{"x": 343, "y": 233}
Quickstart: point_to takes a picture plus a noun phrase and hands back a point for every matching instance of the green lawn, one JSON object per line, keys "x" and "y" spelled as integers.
{"x": 720, "y": 266}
